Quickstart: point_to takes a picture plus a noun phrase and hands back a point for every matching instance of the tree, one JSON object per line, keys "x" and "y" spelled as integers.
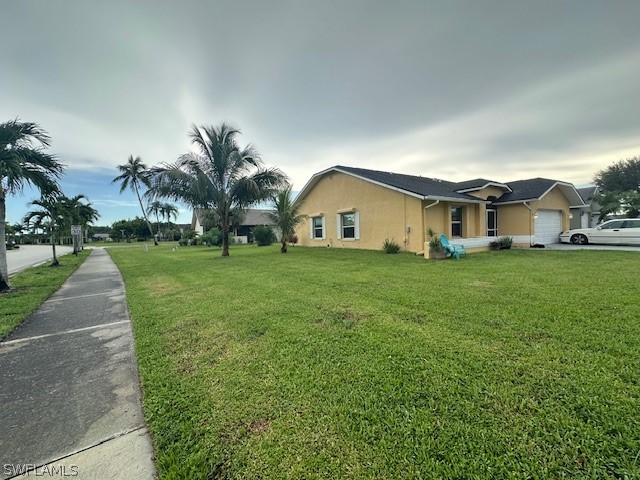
{"x": 154, "y": 208}
{"x": 23, "y": 162}
{"x": 622, "y": 176}
{"x": 52, "y": 216}
{"x": 133, "y": 174}
{"x": 168, "y": 211}
{"x": 78, "y": 213}
{"x": 620, "y": 188}
{"x": 286, "y": 215}
{"x": 610, "y": 203}
{"x": 218, "y": 175}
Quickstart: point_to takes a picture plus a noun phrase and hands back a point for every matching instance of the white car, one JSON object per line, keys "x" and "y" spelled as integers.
{"x": 623, "y": 231}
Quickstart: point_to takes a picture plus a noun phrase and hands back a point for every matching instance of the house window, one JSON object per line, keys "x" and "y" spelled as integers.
{"x": 456, "y": 221}
{"x": 317, "y": 227}
{"x": 492, "y": 222}
{"x": 348, "y": 225}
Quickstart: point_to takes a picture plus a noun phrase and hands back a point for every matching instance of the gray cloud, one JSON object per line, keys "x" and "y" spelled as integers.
{"x": 449, "y": 89}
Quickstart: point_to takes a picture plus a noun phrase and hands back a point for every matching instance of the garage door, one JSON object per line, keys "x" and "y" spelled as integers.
{"x": 548, "y": 226}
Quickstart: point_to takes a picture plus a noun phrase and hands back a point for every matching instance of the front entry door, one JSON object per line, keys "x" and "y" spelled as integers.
{"x": 492, "y": 222}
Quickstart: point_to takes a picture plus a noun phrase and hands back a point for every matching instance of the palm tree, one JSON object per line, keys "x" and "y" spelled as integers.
{"x": 286, "y": 215}
{"x": 132, "y": 175}
{"x": 51, "y": 215}
{"x": 169, "y": 210}
{"x": 155, "y": 208}
{"x": 219, "y": 175}
{"x": 21, "y": 164}
{"x": 78, "y": 213}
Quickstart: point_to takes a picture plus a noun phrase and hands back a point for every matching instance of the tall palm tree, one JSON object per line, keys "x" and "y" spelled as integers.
{"x": 155, "y": 208}
{"x": 169, "y": 210}
{"x": 286, "y": 215}
{"x": 134, "y": 174}
{"x": 52, "y": 216}
{"x": 23, "y": 162}
{"x": 218, "y": 175}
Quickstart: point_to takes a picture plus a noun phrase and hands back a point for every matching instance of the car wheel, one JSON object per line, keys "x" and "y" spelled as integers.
{"x": 579, "y": 239}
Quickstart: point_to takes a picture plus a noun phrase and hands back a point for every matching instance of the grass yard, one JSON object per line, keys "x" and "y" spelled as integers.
{"x": 336, "y": 363}
{"x": 32, "y": 287}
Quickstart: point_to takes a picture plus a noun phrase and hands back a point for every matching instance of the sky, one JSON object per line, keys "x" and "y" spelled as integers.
{"x": 503, "y": 90}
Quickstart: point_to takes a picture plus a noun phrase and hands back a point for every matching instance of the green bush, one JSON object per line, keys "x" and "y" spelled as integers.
{"x": 390, "y": 246}
{"x": 212, "y": 238}
{"x": 183, "y": 242}
{"x": 263, "y": 235}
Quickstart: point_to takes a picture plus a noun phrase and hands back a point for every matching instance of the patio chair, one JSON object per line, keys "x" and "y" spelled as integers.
{"x": 451, "y": 250}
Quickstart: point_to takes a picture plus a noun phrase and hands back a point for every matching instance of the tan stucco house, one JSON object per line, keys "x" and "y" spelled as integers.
{"x": 358, "y": 208}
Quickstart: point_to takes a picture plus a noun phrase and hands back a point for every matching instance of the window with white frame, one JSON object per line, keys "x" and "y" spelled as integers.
{"x": 348, "y": 225}
{"x": 317, "y": 227}
{"x": 456, "y": 221}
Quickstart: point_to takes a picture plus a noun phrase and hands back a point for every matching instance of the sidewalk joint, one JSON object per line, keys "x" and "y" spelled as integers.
{"x": 84, "y": 329}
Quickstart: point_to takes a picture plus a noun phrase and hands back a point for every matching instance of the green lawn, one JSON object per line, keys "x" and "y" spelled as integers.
{"x": 334, "y": 363}
{"x": 32, "y": 287}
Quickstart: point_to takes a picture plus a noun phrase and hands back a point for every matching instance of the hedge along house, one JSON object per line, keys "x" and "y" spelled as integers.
{"x": 358, "y": 208}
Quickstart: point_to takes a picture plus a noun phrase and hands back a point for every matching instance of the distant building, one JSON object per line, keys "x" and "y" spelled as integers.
{"x": 101, "y": 237}
{"x": 242, "y": 232}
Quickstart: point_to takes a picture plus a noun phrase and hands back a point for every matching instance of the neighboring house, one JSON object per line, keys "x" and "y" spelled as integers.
{"x": 101, "y": 237}
{"x": 242, "y": 232}
{"x": 359, "y": 208}
{"x": 588, "y": 215}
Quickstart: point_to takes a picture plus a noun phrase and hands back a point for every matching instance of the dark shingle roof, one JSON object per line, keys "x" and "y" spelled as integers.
{"x": 475, "y": 183}
{"x": 587, "y": 193}
{"x": 530, "y": 189}
{"x": 426, "y": 187}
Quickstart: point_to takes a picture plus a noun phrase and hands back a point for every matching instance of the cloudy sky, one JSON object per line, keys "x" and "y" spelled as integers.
{"x": 505, "y": 90}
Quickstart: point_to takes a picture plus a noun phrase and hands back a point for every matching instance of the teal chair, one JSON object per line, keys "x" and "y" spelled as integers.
{"x": 450, "y": 249}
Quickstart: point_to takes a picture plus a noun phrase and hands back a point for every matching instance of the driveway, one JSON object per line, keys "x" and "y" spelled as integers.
{"x": 28, "y": 256}
{"x": 570, "y": 246}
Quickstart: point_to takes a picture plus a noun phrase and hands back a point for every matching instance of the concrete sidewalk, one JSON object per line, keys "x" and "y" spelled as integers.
{"x": 70, "y": 396}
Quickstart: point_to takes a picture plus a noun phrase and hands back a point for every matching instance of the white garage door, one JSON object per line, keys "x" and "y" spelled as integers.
{"x": 548, "y": 226}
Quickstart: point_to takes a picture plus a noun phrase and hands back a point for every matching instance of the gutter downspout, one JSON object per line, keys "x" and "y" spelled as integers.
{"x": 530, "y": 219}
{"x": 424, "y": 220}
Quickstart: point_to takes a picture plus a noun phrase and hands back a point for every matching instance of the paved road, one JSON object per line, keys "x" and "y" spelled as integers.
{"x": 30, "y": 255}
{"x": 69, "y": 391}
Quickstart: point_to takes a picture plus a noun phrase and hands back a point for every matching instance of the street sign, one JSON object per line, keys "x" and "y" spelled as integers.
{"x": 76, "y": 229}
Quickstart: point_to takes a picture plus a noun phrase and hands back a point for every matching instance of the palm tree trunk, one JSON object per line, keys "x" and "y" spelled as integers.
{"x": 4, "y": 271}
{"x": 55, "y": 262}
{"x": 144, "y": 214}
{"x": 225, "y": 239}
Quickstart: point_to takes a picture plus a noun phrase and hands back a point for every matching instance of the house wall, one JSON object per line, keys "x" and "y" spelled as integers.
{"x": 517, "y": 220}
{"x": 384, "y": 214}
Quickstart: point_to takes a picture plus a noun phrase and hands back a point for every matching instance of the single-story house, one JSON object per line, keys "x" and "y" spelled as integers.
{"x": 586, "y": 216}
{"x": 359, "y": 208}
{"x": 101, "y": 237}
{"x": 242, "y": 231}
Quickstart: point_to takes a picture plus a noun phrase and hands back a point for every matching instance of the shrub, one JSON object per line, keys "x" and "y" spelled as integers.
{"x": 390, "y": 246}
{"x": 264, "y": 235}
{"x": 189, "y": 233}
{"x": 505, "y": 242}
{"x": 212, "y": 238}
{"x": 183, "y": 242}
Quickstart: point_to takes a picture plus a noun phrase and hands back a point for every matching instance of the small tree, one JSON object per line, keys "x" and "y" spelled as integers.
{"x": 51, "y": 215}
{"x": 286, "y": 216}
